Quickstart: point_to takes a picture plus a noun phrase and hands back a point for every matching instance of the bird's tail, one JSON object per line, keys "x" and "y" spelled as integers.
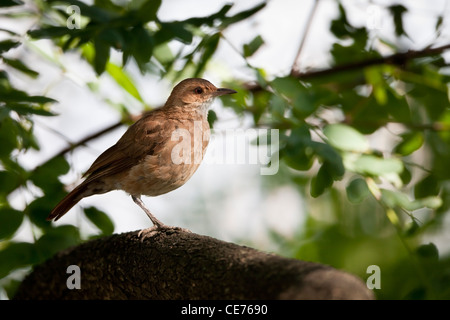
{"x": 68, "y": 202}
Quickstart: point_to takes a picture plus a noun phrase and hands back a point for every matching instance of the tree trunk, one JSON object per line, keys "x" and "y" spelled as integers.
{"x": 183, "y": 265}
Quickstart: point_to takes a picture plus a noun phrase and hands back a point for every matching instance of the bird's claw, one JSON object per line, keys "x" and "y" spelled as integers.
{"x": 152, "y": 231}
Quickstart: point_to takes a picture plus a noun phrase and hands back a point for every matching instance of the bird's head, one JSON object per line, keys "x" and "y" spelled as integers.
{"x": 196, "y": 93}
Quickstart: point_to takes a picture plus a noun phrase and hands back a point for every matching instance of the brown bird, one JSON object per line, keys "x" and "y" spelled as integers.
{"x": 157, "y": 154}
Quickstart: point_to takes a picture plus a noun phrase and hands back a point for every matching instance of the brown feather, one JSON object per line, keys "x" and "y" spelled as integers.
{"x": 116, "y": 159}
{"x": 67, "y": 202}
{"x": 141, "y": 163}
{"x": 120, "y": 156}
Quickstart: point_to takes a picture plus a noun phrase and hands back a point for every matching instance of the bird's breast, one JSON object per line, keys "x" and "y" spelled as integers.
{"x": 173, "y": 165}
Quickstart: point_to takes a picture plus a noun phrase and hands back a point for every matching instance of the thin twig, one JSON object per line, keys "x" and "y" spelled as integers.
{"x": 296, "y": 64}
{"x": 399, "y": 59}
{"x": 395, "y": 59}
{"x": 88, "y": 138}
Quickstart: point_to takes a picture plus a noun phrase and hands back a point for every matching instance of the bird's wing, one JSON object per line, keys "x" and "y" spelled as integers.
{"x": 142, "y": 138}
{"x": 145, "y": 137}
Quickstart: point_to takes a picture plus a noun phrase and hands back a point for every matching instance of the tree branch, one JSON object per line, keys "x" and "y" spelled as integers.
{"x": 182, "y": 265}
{"x": 395, "y": 59}
{"x": 296, "y": 65}
{"x": 89, "y": 138}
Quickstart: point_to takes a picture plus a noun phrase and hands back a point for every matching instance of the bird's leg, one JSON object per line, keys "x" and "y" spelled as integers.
{"x": 157, "y": 225}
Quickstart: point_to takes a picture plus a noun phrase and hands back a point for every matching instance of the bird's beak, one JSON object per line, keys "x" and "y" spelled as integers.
{"x": 222, "y": 91}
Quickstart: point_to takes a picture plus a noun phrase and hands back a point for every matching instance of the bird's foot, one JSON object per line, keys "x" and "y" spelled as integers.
{"x": 152, "y": 231}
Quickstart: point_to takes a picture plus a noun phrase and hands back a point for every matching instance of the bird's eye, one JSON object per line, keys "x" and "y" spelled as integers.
{"x": 198, "y": 90}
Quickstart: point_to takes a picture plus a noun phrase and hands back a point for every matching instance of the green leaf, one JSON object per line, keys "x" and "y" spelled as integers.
{"x": 39, "y": 209}
{"x": 397, "y": 12}
{"x": 212, "y": 118}
{"x": 123, "y": 80}
{"x": 398, "y": 199}
{"x": 346, "y": 138}
{"x": 321, "y": 181}
{"x": 147, "y": 12}
{"x": 439, "y": 22}
{"x": 8, "y": 136}
{"x": 297, "y": 154}
{"x": 10, "y": 286}
{"x": 260, "y": 105}
{"x": 397, "y": 106}
{"x": 394, "y": 199}
{"x": 26, "y": 137}
{"x": 174, "y": 30}
{"x": 49, "y": 32}
{"x": 163, "y": 54}
{"x": 299, "y": 161}
{"x": 242, "y": 15}
{"x": 304, "y": 101}
{"x": 412, "y": 141}
{"x": 19, "y": 65}
{"x": 375, "y": 77}
{"x": 209, "y": 46}
{"x": 10, "y": 95}
{"x": 340, "y": 26}
{"x": 406, "y": 176}
{"x": 100, "y": 220}
{"x": 6, "y": 45}
{"x": 101, "y": 57}
{"x": 210, "y": 20}
{"x": 428, "y": 251}
{"x": 434, "y": 102}
{"x": 142, "y": 47}
{"x": 16, "y": 255}
{"x": 354, "y": 50}
{"x": 428, "y": 186}
{"x": 112, "y": 36}
{"x": 357, "y": 190}
{"x": 57, "y": 239}
{"x": 95, "y": 12}
{"x": 286, "y": 86}
{"x": 376, "y": 166}
{"x": 412, "y": 229}
{"x": 9, "y": 181}
{"x": 10, "y": 3}
{"x": 366, "y": 114}
{"x": 300, "y": 151}
{"x": 330, "y": 156}
{"x": 278, "y": 106}
{"x": 46, "y": 175}
{"x": 432, "y": 202}
{"x": 11, "y": 33}
{"x": 10, "y": 221}
{"x": 27, "y": 109}
{"x": 250, "y": 48}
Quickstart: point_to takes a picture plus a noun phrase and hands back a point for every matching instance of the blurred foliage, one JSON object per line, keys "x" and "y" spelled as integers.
{"x": 131, "y": 28}
{"x": 368, "y": 202}
{"x": 376, "y": 201}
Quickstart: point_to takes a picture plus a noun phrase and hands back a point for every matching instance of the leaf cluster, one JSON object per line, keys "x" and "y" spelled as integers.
{"x": 134, "y": 30}
{"x": 330, "y": 125}
{"x": 131, "y": 28}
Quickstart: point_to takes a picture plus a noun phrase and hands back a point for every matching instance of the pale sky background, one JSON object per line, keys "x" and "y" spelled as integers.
{"x": 224, "y": 201}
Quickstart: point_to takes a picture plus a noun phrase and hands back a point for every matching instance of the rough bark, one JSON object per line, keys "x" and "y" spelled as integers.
{"x": 182, "y": 265}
